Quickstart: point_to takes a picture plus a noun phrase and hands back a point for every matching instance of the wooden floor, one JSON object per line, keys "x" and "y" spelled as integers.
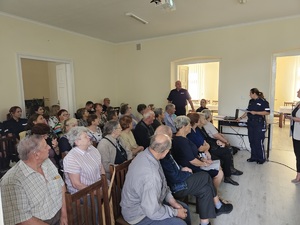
{"x": 265, "y": 195}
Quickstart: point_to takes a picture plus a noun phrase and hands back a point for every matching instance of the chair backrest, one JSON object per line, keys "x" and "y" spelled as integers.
{"x": 120, "y": 173}
{"x": 85, "y": 206}
{"x": 8, "y": 148}
{"x": 288, "y": 103}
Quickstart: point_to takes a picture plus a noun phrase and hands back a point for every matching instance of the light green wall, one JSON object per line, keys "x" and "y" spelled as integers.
{"x": 126, "y": 75}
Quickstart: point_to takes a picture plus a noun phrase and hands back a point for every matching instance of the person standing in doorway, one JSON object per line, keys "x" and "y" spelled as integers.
{"x": 257, "y": 110}
{"x": 178, "y": 97}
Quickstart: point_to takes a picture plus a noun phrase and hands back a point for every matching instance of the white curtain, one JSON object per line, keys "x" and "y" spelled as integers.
{"x": 196, "y": 81}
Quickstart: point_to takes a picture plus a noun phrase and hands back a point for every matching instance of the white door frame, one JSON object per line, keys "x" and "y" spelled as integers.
{"x": 70, "y": 77}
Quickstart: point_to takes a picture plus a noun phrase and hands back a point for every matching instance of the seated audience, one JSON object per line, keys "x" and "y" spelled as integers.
{"x": 183, "y": 182}
{"x": 127, "y": 137}
{"x": 82, "y": 115}
{"x": 32, "y": 191}
{"x": 203, "y": 103}
{"x": 151, "y": 106}
{"x": 223, "y": 154}
{"x": 82, "y": 165}
{"x": 125, "y": 109}
{"x": 53, "y": 120}
{"x": 111, "y": 149}
{"x": 89, "y": 106}
{"x": 33, "y": 120}
{"x": 62, "y": 115}
{"x": 146, "y": 198}
{"x": 94, "y": 131}
{"x": 159, "y": 118}
{"x": 112, "y": 114}
{"x": 36, "y": 109}
{"x": 106, "y": 104}
{"x": 100, "y": 114}
{"x": 144, "y": 130}
{"x": 170, "y": 117}
{"x": 14, "y": 123}
{"x": 140, "y": 109}
{"x": 43, "y": 129}
{"x": 63, "y": 142}
{"x": 186, "y": 153}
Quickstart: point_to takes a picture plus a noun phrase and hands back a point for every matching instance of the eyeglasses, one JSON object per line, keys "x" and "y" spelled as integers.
{"x": 65, "y": 114}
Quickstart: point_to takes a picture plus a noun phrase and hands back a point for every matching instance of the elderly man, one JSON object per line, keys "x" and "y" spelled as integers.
{"x": 146, "y": 198}
{"x": 33, "y": 191}
{"x": 144, "y": 130}
{"x": 106, "y": 104}
{"x": 178, "y": 97}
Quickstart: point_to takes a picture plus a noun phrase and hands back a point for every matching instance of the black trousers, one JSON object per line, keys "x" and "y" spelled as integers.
{"x": 225, "y": 155}
{"x": 200, "y": 185}
{"x": 256, "y": 136}
{"x": 180, "y": 111}
{"x": 296, "y": 144}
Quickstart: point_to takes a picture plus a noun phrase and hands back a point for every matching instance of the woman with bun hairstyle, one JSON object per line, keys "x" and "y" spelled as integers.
{"x": 257, "y": 110}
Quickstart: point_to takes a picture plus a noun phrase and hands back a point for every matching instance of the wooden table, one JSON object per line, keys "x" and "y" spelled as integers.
{"x": 284, "y": 110}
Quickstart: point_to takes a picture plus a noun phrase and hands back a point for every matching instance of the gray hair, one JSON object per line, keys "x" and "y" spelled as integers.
{"x": 158, "y": 111}
{"x": 109, "y": 127}
{"x": 169, "y": 106}
{"x": 207, "y": 113}
{"x": 148, "y": 113}
{"x": 181, "y": 121}
{"x": 74, "y": 134}
{"x": 164, "y": 129}
{"x": 160, "y": 143}
{"x": 28, "y": 145}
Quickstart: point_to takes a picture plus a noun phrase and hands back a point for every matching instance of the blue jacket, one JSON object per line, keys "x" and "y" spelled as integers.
{"x": 176, "y": 178}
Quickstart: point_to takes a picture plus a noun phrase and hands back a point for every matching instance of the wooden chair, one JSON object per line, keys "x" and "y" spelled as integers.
{"x": 8, "y": 151}
{"x": 85, "y": 206}
{"x": 120, "y": 173}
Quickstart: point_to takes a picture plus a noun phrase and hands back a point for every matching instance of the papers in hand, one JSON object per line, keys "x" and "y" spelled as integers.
{"x": 215, "y": 165}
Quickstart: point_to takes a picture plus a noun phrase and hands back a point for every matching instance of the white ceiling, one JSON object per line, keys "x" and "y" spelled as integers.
{"x": 106, "y": 19}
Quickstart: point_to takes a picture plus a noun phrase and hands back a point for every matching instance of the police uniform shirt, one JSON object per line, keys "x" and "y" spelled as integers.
{"x": 178, "y": 98}
{"x": 259, "y": 105}
{"x": 14, "y": 127}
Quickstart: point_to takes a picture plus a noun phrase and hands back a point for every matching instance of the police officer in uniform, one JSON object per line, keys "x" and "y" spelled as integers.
{"x": 257, "y": 109}
{"x": 178, "y": 97}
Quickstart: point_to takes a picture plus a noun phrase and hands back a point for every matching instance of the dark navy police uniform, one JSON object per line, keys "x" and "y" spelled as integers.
{"x": 179, "y": 98}
{"x": 257, "y": 128}
{"x": 14, "y": 127}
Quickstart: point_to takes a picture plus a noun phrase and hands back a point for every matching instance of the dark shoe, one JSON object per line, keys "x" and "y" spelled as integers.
{"x": 236, "y": 172}
{"x": 225, "y": 209}
{"x": 251, "y": 160}
{"x": 230, "y": 181}
{"x": 260, "y": 161}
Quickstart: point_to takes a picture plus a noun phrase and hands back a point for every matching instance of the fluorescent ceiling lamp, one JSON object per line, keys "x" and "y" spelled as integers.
{"x": 136, "y": 18}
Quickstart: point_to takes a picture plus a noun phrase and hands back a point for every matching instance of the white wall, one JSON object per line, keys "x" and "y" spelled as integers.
{"x": 126, "y": 75}
{"x": 94, "y": 60}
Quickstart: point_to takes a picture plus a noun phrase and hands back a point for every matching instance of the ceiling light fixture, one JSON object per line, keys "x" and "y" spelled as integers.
{"x": 130, "y": 14}
{"x": 242, "y": 1}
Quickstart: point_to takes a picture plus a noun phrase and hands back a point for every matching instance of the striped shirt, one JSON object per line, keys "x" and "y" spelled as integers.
{"x": 26, "y": 193}
{"x": 85, "y": 163}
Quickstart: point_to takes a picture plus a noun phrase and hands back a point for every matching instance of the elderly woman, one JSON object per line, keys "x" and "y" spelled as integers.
{"x": 212, "y": 152}
{"x": 94, "y": 130}
{"x": 125, "y": 110}
{"x": 159, "y": 118}
{"x": 82, "y": 165}
{"x": 186, "y": 153}
{"x": 110, "y": 148}
{"x": 127, "y": 136}
{"x": 33, "y": 191}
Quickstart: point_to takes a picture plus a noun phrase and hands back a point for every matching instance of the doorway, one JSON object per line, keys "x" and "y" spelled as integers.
{"x": 46, "y": 81}
{"x": 286, "y": 75}
{"x": 201, "y": 78}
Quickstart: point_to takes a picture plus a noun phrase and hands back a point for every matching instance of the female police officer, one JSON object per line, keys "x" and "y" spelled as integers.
{"x": 257, "y": 109}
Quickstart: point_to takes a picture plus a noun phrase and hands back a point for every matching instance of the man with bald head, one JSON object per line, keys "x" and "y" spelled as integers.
{"x": 178, "y": 97}
{"x": 146, "y": 198}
